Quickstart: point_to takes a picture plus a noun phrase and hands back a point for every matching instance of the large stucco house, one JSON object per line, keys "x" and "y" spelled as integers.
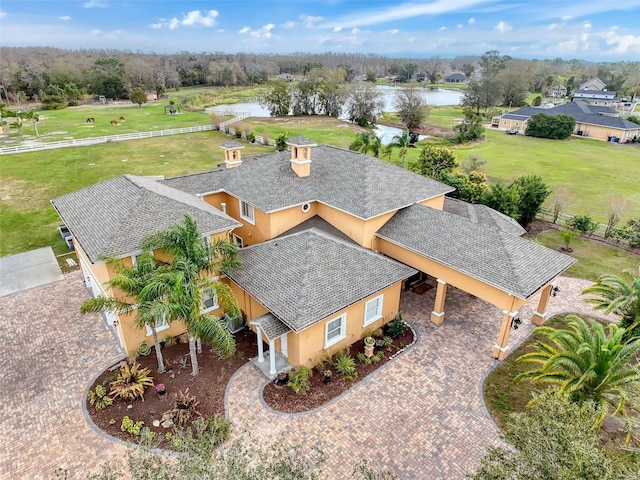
{"x": 328, "y": 240}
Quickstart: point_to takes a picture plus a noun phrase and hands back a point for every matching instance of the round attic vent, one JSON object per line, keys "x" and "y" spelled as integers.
{"x": 306, "y": 207}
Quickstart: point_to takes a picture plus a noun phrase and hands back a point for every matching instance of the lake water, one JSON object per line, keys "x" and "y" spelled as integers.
{"x": 432, "y": 97}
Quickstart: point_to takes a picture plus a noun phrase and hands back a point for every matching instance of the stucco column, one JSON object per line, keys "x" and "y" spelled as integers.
{"x": 260, "y": 347}
{"x": 501, "y": 346}
{"x": 272, "y": 358}
{"x": 540, "y": 314}
{"x": 437, "y": 315}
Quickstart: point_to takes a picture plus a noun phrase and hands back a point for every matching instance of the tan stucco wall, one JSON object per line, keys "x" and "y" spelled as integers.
{"x": 435, "y": 202}
{"x": 603, "y": 133}
{"x": 360, "y": 231}
{"x": 459, "y": 280}
{"x": 283, "y": 220}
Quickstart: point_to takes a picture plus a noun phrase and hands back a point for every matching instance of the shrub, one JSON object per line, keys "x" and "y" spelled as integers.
{"x": 251, "y": 137}
{"x": 346, "y": 366}
{"x": 550, "y": 126}
{"x": 218, "y": 428}
{"x": 567, "y": 237}
{"x": 99, "y": 398}
{"x": 131, "y": 382}
{"x": 379, "y": 355}
{"x": 184, "y": 408}
{"x": 299, "y": 379}
{"x": 396, "y": 327}
{"x": 281, "y": 142}
{"x": 129, "y": 426}
{"x": 583, "y": 224}
{"x": 362, "y": 358}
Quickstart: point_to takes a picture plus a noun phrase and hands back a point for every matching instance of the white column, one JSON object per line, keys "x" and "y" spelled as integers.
{"x": 260, "y": 347}
{"x": 272, "y": 358}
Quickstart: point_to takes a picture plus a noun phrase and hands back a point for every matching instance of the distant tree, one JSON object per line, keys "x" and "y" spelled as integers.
{"x": 331, "y": 97}
{"x": 468, "y": 69}
{"x": 482, "y": 95}
{"x": 473, "y": 163}
{"x": 615, "y": 208}
{"x": 33, "y": 118}
{"x": 532, "y": 194}
{"x": 550, "y": 126}
{"x": 54, "y": 98}
{"x": 138, "y": 95}
{"x": 364, "y": 105}
{"x": 410, "y": 107}
{"x": 537, "y": 101}
{"x": 469, "y": 130}
{"x": 630, "y": 232}
{"x": 554, "y": 440}
{"x": 372, "y": 76}
{"x": 277, "y": 99}
{"x": 304, "y": 98}
{"x": 434, "y": 161}
{"x": 561, "y": 198}
{"x": 401, "y": 141}
{"x": 367, "y": 142}
{"x": 634, "y": 119}
{"x": 491, "y": 63}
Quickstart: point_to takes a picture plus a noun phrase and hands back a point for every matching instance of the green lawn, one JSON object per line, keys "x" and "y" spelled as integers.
{"x": 594, "y": 258}
{"x": 593, "y": 171}
{"x": 30, "y": 180}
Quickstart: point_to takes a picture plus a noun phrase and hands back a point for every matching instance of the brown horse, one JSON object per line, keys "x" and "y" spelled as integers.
{"x": 121, "y": 118}
{"x": 91, "y": 120}
{"x": 114, "y": 122}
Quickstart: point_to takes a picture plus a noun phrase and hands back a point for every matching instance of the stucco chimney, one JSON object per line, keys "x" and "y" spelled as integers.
{"x": 232, "y": 155}
{"x": 301, "y": 155}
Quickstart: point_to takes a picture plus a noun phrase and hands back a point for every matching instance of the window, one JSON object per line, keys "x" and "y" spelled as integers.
{"x": 237, "y": 240}
{"x": 209, "y": 300}
{"x": 335, "y": 330}
{"x": 161, "y": 324}
{"x": 246, "y": 212}
{"x": 373, "y": 310}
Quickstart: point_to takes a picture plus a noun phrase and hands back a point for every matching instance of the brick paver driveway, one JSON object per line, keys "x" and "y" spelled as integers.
{"x": 421, "y": 416}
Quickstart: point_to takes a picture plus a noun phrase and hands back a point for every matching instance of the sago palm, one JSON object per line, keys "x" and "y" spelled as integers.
{"x": 619, "y": 295}
{"x": 585, "y": 362}
{"x": 133, "y": 292}
{"x": 183, "y": 283}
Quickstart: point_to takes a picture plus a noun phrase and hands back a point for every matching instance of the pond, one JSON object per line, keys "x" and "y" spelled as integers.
{"x": 433, "y": 97}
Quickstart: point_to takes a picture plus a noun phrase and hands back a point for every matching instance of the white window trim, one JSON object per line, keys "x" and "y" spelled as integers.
{"x": 214, "y": 307}
{"x": 160, "y": 328}
{"x": 250, "y": 219}
{"x": 238, "y": 240}
{"x": 378, "y": 315}
{"x": 343, "y": 331}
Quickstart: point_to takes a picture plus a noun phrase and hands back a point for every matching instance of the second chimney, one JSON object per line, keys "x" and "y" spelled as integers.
{"x": 232, "y": 155}
{"x": 301, "y": 155}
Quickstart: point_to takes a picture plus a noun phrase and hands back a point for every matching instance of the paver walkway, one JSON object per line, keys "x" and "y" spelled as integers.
{"x": 420, "y": 416}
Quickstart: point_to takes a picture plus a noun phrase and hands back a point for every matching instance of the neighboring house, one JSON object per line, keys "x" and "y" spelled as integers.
{"x": 456, "y": 78}
{"x": 287, "y": 77}
{"x": 596, "y": 97}
{"x": 557, "y": 91}
{"x": 598, "y": 122}
{"x": 328, "y": 237}
{"x": 593, "y": 84}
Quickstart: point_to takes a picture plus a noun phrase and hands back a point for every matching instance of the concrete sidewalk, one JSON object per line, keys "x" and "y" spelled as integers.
{"x": 28, "y": 270}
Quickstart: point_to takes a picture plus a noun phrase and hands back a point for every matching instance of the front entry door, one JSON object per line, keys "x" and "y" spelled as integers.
{"x": 284, "y": 347}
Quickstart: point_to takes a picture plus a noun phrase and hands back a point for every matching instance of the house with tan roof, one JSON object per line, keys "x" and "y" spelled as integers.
{"x": 328, "y": 238}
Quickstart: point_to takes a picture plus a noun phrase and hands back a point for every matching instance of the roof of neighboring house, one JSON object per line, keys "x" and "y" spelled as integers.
{"x": 594, "y": 82}
{"x": 456, "y": 76}
{"x": 517, "y": 266}
{"x": 595, "y": 93}
{"x": 483, "y": 215}
{"x": 112, "y": 217}
{"x": 353, "y": 182}
{"x": 581, "y": 111}
{"x": 308, "y": 276}
{"x": 558, "y": 86}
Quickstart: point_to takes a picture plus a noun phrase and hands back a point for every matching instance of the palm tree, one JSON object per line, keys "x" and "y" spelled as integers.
{"x": 183, "y": 284}
{"x": 402, "y": 142}
{"x": 619, "y": 295}
{"x": 361, "y": 143}
{"x": 33, "y": 117}
{"x": 586, "y": 363}
{"x": 134, "y": 283}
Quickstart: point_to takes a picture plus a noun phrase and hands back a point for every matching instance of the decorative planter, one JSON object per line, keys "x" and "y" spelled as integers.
{"x": 282, "y": 378}
{"x": 368, "y": 351}
{"x": 326, "y": 375}
{"x": 162, "y": 392}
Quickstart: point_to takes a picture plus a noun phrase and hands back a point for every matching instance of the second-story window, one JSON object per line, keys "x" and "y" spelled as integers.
{"x": 246, "y": 212}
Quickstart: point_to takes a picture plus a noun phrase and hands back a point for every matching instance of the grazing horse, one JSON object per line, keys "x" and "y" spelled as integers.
{"x": 114, "y": 122}
{"x": 91, "y": 120}
{"x": 121, "y": 118}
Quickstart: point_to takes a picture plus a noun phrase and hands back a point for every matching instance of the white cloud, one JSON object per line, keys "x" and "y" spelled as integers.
{"x": 244, "y": 30}
{"x": 503, "y": 27}
{"x": 566, "y": 18}
{"x": 355, "y": 30}
{"x": 310, "y": 21}
{"x": 194, "y": 18}
{"x": 64, "y": 18}
{"x": 337, "y": 29}
{"x": 96, "y": 31}
{"x": 623, "y": 44}
{"x": 459, "y": 25}
{"x": 262, "y": 32}
{"x": 472, "y": 21}
{"x": 289, "y": 24}
{"x": 3, "y": 14}
{"x": 94, "y": 4}
{"x": 553, "y": 26}
{"x": 442, "y": 29}
{"x": 393, "y": 31}
{"x": 587, "y": 24}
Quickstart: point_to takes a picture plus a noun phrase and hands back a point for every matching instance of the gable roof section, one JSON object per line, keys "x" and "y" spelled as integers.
{"x": 581, "y": 111}
{"x": 349, "y": 181}
{"x": 112, "y": 217}
{"x": 483, "y": 215}
{"x": 305, "y": 277}
{"x": 512, "y": 264}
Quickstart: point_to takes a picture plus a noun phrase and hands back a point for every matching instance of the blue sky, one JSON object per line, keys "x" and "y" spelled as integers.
{"x": 589, "y": 29}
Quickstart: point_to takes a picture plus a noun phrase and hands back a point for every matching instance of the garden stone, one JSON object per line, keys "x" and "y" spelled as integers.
{"x": 156, "y": 423}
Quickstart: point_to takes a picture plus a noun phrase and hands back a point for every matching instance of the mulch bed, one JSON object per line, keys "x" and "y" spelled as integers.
{"x": 284, "y": 399}
{"x": 208, "y": 386}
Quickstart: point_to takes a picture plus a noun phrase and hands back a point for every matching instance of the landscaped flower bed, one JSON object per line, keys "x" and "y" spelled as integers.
{"x": 283, "y": 398}
{"x": 208, "y": 388}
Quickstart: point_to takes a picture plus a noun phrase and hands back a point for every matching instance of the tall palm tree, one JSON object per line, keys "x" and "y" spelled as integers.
{"x": 402, "y": 142}
{"x": 134, "y": 285}
{"x": 183, "y": 284}
{"x": 586, "y": 363}
{"x": 619, "y": 295}
{"x": 361, "y": 143}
